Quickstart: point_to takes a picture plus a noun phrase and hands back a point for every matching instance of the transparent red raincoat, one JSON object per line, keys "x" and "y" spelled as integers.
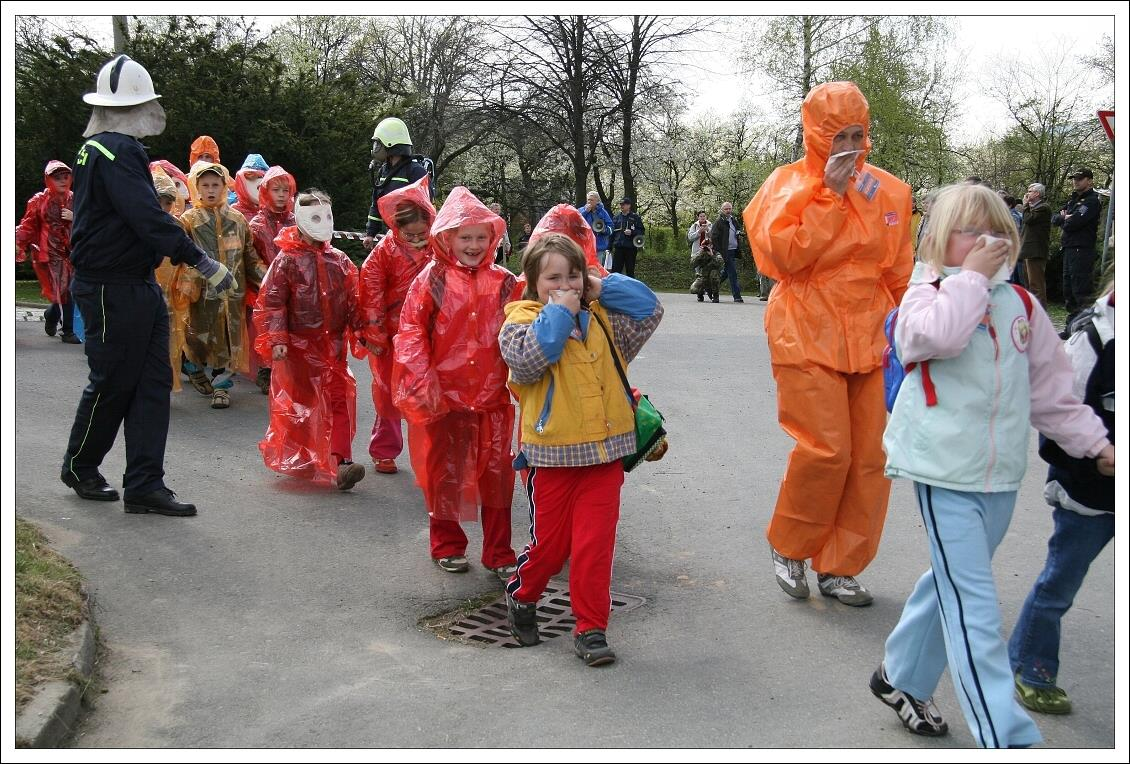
{"x": 386, "y": 274}
{"x": 308, "y": 302}
{"x": 449, "y": 379}
{"x": 268, "y": 222}
{"x": 265, "y": 227}
{"x": 47, "y": 237}
{"x": 563, "y": 219}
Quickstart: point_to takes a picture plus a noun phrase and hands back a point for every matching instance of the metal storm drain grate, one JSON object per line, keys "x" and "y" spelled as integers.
{"x": 488, "y": 627}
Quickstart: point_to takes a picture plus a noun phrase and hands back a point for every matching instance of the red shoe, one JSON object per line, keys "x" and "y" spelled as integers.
{"x": 385, "y": 466}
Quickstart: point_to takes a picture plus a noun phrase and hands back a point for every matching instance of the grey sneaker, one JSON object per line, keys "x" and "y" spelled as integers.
{"x": 454, "y": 564}
{"x": 844, "y": 588}
{"x": 790, "y": 575}
{"x": 919, "y": 716}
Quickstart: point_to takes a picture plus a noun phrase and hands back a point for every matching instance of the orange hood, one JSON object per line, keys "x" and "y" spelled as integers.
{"x": 205, "y": 144}
{"x": 827, "y": 109}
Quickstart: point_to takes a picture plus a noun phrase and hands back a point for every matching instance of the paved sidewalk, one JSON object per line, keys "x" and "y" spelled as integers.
{"x": 285, "y": 615}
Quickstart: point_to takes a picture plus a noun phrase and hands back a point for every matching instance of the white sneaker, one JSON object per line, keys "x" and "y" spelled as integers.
{"x": 790, "y": 575}
{"x": 844, "y": 588}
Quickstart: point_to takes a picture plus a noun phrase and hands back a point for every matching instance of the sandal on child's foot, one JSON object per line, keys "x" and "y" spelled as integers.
{"x": 221, "y": 399}
{"x": 200, "y": 382}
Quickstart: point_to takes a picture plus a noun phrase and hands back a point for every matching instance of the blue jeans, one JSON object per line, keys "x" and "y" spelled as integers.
{"x": 1073, "y": 546}
{"x": 731, "y": 269}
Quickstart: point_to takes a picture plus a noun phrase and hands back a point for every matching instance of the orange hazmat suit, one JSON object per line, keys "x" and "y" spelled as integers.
{"x": 841, "y": 262}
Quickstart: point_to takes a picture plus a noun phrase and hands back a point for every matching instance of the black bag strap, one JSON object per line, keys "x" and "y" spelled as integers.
{"x": 615, "y": 358}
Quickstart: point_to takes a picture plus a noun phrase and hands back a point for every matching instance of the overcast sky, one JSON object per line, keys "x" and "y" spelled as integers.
{"x": 713, "y": 69}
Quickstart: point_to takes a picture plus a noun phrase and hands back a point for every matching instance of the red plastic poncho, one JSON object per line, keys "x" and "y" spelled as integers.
{"x": 184, "y": 188}
{"x": 449, "y": 379}
{"x": 45, "y": 233}
{"x": 387, "y": 273}
{"x": 268, "y": 221}
{"x": 563, "y": 219}
{"x": 308, "y": 302}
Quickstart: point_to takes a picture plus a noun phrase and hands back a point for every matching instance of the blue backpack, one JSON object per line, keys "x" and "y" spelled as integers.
{"x": 893, "y": 370}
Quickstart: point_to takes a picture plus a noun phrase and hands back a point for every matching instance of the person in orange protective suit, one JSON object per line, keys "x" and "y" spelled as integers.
{"x": 205, "y": 149}
{"x": 306, "y": 318}
{"x": 834, "y": 232}
{"x": 566, "y": 220}
{"x": 449, "y": 380}
{"x": 276, "y": 211}
{"x": 45, "y": 233}
{"x": 387, "y": 273}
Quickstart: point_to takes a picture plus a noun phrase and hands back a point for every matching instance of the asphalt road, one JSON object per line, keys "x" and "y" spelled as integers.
{"x": 285, "y": 615}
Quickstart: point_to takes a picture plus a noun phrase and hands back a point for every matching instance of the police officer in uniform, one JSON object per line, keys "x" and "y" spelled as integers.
{"x": 392, "y": 150}
{"x": 1079, "y": 220}
{"x": 120, "y": 235}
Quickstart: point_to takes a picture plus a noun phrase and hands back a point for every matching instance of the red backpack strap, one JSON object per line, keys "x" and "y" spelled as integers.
{"x": 1026, "y": 298}
{"x": 928, "y": 385}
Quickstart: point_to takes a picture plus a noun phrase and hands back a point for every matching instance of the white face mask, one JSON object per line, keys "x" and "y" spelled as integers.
{"x": 252, "y": 185}
{"x": 315, "y": 220}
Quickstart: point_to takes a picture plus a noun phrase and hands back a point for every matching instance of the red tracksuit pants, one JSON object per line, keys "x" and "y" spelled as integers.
{"x": 573, "y": 516}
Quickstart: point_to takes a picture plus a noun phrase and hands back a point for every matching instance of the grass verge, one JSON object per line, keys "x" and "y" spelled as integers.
{"x": 28, "y": 291}
{"x": 49, "y": 606}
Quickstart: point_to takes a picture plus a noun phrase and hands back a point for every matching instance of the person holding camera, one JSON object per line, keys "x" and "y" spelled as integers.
{"x": 601, "y": 223}
{"x": 707, "y": 264}
{"x": 626, "y": 227}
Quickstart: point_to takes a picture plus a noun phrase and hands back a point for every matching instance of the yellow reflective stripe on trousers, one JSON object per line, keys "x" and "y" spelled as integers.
{"x": 85, "y": 435}
{"x": 98, "y": 397}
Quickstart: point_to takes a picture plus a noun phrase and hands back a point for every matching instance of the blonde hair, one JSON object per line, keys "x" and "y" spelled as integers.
{"x": 533, "y": 260}
{"x": 966, "y": 206}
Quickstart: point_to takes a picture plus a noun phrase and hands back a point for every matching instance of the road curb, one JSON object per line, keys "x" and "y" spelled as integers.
{"x": 52, "y": 715}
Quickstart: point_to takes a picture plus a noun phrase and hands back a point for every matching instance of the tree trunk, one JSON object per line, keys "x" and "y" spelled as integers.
{"x": 577, "y": 99}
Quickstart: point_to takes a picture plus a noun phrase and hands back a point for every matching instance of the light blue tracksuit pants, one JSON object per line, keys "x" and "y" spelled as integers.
{"x": 952, "y": 616}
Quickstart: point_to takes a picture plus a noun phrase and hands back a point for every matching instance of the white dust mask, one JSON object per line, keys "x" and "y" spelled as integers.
{"x": 315, "y": 220}
{"x": 252, "y": 185}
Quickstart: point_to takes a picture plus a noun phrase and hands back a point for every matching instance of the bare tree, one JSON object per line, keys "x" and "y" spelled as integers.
{"x": 558, "y": 79}
{"x": 638, "y": 63}
{"x": 435, "y": 72}
{"x": 800, "y": 52}
{"x": 1052, "y": 104}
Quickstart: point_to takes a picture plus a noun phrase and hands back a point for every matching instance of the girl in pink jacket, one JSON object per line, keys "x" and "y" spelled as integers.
{"x": 989, "y": 367}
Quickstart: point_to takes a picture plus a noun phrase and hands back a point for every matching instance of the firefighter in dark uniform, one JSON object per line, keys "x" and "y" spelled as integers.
{"x": 398, "y": 167}
{"x": 119, "y": 237}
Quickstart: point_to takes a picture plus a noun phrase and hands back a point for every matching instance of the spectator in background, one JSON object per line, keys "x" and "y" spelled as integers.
{"x": 503, "y": 250}
{"x": 724, "y": 236}
{"x": 1079, "y": 220}
{"x": 524, "y": 240}
{"x": 625, "y": 227}
{"x": 1035, "y": 231}
{"x": 597, "y": 217}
